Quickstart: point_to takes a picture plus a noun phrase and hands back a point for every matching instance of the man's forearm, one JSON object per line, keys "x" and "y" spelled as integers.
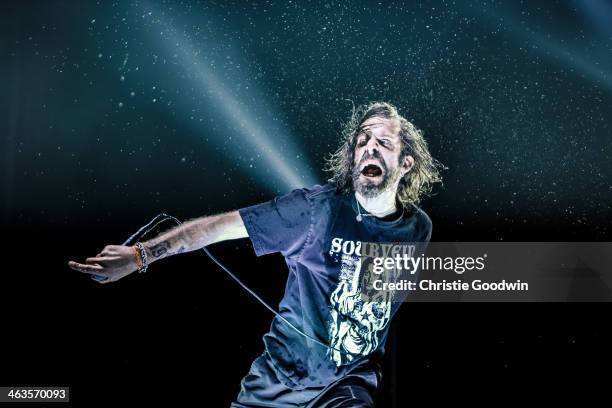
{"x": 195, "y": 234}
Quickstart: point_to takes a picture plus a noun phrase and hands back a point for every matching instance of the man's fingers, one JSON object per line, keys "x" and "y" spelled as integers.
{"x": 86, "y": 268}
{"x": 101, "y": 259}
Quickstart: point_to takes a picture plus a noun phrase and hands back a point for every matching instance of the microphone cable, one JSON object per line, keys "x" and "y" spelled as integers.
{"x": 162, "y": 217}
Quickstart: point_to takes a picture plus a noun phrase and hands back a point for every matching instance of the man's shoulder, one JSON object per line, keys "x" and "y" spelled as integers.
{"x": 423, "y": 222}
{"x": 320, "y": 190}
{"x": 421, "y": 215}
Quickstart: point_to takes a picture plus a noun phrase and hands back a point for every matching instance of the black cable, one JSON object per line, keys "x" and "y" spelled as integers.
{"x": 160, "y": 218}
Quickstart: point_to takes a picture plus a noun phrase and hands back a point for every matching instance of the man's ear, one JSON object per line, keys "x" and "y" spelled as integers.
{"x": 407, "y": 165}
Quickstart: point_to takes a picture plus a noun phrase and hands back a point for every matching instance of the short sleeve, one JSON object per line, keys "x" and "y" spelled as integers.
{"x": 424, "y": 226}
{"x": 279, "y": 225}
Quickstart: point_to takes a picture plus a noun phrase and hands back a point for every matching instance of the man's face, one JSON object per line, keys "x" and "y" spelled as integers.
{"x": 376, "y": 166}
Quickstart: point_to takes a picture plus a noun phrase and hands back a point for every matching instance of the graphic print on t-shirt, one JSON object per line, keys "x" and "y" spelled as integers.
{"x": 356, "y": 324}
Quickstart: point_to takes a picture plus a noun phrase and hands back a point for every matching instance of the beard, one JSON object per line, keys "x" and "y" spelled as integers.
{"x": 372, "y": 187}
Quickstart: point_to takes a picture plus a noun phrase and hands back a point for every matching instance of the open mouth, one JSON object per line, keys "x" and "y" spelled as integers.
{"x": 371, "y": 170}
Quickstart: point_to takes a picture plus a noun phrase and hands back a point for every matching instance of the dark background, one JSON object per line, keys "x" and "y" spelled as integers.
{"x": 112, "y": 112}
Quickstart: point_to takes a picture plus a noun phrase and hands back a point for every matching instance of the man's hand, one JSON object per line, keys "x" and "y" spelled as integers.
{"x": 113, "y": 263}
{"x": 117, "y": 261}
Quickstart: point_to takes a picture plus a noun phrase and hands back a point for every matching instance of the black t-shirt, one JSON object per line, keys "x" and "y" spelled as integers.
{"x": 316, "y": 230}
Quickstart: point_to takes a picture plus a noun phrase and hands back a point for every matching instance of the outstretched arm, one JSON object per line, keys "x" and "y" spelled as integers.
{"x": 196, "y": 234}
{"x": 117, "y": 261}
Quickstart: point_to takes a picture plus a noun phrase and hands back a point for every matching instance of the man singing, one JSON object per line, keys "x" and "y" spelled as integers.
{"x": 379, "y": 174}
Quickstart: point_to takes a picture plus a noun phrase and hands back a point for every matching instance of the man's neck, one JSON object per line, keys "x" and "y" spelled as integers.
{"x": 379, "y": 206}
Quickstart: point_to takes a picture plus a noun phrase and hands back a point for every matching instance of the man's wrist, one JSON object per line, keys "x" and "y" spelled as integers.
{"x": 142, "y": 259}
{"x": 148, "y": 252}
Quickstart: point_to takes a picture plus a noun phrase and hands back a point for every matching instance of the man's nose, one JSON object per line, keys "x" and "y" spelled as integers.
{"x": 372, "y": 146}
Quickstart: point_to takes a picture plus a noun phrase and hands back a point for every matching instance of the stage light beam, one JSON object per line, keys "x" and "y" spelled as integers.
{"x": 256, "y": 122}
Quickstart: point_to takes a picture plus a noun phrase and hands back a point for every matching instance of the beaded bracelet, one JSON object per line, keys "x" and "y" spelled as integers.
{"x": 143, "y": 264}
